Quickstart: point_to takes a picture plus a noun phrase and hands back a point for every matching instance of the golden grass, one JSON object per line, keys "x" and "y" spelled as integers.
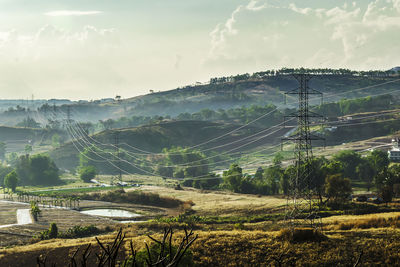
{"x": 376, "y": 220}
{"x": 244, "y": 248}
{"x": 220, "y": 203}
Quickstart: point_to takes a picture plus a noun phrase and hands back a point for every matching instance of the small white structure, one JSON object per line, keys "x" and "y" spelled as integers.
{"x": 394, "y": 153}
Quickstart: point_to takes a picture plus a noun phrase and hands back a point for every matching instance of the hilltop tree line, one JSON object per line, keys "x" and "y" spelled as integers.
{"x": 290, "y": 71}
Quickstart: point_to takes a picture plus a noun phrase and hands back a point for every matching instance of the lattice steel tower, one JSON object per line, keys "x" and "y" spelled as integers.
{"x": 300, "y": 208}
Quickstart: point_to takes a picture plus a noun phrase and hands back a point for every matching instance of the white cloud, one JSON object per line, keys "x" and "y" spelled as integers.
{"x": 296, "y": 9}
{"x": 63, "y": 13}
{"x": 355, "y": 35}
{"x": 55, "y": 60}
{"x": 223, "y": 30}
{"x": 252, "y": 5}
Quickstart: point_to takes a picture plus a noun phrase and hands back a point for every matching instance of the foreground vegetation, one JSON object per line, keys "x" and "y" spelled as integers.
{"x": 247, "y": 248}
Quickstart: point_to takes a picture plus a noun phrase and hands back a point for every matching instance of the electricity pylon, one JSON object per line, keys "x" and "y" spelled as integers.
{"x": 300, "y": 208}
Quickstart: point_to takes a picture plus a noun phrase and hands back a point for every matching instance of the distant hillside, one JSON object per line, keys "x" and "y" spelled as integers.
{"x": 396, "y": 69}
{"x": 155, "y": 137}
{"x": 16, "y": 137}
{"x": 260, "y": 88}
{"x": 253, "y": 90}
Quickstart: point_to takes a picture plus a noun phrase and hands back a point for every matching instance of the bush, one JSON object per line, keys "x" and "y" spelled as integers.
{"x": 53, "y": 231}
{"x": 300, "y": 235}
{"x": 205, "y": 183}
{"x": 81, "y": 231}
{"x": 35, "y": 211}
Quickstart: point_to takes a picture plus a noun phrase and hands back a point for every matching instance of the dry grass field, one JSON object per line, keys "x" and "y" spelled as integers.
{"x": 244, "y": 248}
{"x": 221, "y": 203}
{"x": 346, "y": 237}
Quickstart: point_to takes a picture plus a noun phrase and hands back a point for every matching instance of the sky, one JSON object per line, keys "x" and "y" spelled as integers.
{"x": 91, "y": 49}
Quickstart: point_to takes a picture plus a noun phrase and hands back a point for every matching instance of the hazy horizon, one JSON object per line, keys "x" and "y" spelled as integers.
{"x": 100, "y": 49}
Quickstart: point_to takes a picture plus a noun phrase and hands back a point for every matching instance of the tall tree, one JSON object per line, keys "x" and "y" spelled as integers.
{"x": 379, "y": 161}
{"x": 233, "y": 178}
{"x": 337, "y": 188}
{"x": 11, "y": 181}
{"x": 366, "y": 173}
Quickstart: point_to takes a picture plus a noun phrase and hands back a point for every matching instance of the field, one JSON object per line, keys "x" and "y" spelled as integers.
{"x": 221, "y": 203}
{"x": 227, "y": 242}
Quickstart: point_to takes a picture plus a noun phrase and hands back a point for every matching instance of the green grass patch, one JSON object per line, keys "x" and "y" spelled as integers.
{"x": 69, "y": 191}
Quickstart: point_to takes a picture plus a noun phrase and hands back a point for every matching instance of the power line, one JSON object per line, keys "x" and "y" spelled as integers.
{"x": 262, "y": 116}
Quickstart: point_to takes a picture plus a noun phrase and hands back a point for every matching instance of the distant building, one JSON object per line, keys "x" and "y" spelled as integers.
{"x": 394, "y": 153}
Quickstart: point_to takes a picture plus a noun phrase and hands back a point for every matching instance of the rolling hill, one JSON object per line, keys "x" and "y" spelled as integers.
{"x": 154, "y": 138}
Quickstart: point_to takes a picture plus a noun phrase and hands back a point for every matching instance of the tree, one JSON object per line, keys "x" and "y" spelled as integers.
{"x": 4, "y": 170}
{"x": 394, "y": 173}
{"x": 337, "y": 188}
{"x": 38, "y": 170}
{"x": 349, "y": 160}
{"x": 284, "y": 183}
{"x": 366, "y": 173}
{"x": 233, "y": 178}
{"x": 386, "y": 193}
{"x": 319, "y": 168}
{"x": 379, "y": 160}
{"x": 188, "y": 163}
{"x": 11, "y": 181}
{"x": 87, "y": 173}
{"x": 259, "y": 173}
{"x": 22, "y": 167}
{"x": 43, "y": 170}
{"x": 272, "y": 176}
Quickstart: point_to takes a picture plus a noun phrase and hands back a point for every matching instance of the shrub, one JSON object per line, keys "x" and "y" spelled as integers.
{"x": 35, "y": 211}
{"x": 53, "y": 231}
{"x": 81, "y": 231}
{"x": 301, "y": 235}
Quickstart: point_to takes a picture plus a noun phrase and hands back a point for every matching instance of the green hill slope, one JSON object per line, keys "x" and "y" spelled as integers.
{"x": 17, "y": 137}
{"x": 155, "y": 137}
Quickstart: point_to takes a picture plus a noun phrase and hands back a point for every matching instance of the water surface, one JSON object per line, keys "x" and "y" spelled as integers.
{"x": 111, "y": 213}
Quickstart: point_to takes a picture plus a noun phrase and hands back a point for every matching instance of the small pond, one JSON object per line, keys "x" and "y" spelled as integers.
{"x": 111, "y": 213}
